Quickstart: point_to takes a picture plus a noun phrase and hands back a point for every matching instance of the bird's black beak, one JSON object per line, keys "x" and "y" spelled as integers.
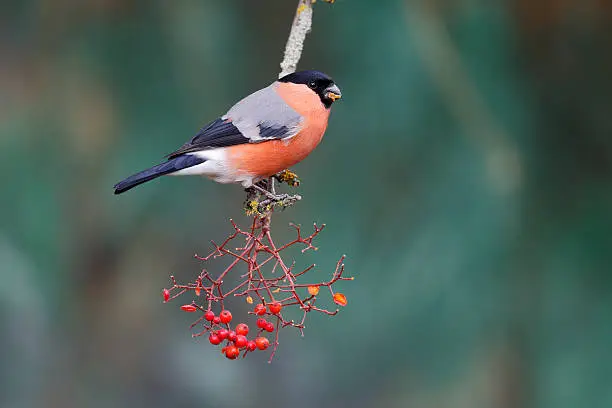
{"x": 333, "y": 92}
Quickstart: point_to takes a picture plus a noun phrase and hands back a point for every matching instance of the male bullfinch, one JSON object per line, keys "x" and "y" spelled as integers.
{"x": 266, "y": 132}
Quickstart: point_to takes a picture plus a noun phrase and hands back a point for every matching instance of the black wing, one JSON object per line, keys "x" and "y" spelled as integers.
{"x": 219, "y": 133}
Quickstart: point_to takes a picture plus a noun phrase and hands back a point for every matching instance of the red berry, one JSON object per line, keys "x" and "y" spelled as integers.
{"x": 223, "y": 333}
{"x": 225, "y": 316}
{"x": 232, "y": 352}
{"x": 269, "y": 327}
{"x": 241, "y": 341}
{"x": 214, "y": 339}
{"x": 231, "y": 336}
{"x": 242, "y": 329}
{"x": 260, "y": 310}
{"x": 261, "y": 322}
{"x": 189, "y": 308}
{"x": 275, "y": 307}
{"x": 251, "y": 345}
{"x": 166, "y": 295}
{"x": 209, "y": 315}
{"x": 216, "y": 320}
{"x": 262, "y": 343}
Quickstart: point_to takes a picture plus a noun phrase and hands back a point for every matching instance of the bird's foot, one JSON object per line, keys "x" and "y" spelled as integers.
{"x": 281, "y": 200}
{"x": 263, "y": 189}
{"x": 260, "y": 200}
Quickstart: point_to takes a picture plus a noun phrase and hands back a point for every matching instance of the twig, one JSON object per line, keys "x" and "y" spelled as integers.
{"x": 301, "y": 26}
{"x": 287, "y": 287}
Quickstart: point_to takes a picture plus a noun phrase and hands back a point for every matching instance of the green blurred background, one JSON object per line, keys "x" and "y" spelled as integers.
{"x": 466, "y": 173}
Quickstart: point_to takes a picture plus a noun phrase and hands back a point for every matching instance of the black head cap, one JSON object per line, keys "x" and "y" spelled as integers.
{"x": 319, "y": 82}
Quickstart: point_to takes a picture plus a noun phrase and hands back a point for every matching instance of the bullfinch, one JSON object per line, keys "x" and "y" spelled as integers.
{"x": 268, "y": 131}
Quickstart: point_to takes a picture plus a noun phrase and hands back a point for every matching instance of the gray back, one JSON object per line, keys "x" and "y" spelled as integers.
{"x": 264, "y": 115}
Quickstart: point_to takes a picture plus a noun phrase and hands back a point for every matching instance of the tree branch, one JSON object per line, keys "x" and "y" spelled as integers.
{"x": 302, "y": 23}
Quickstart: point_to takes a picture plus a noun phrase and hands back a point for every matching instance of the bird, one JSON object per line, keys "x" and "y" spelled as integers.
{"x": 263, "y": 134}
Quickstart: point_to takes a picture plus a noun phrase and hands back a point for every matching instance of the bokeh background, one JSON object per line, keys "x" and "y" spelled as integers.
{"x": 467, "y": 174}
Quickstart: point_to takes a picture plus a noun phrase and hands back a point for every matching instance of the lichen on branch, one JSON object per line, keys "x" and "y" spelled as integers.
{"x": 302, "y": 24}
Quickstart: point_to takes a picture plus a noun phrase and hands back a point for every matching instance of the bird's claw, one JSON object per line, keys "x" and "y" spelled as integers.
{"x": 260, "y": 201}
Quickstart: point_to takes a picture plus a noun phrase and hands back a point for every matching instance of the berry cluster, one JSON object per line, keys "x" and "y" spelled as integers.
{"x": 220, "y": 330}
{"x": 269, "y": 278}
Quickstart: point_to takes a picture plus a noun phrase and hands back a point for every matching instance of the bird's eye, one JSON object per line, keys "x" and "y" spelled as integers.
{"x": 312, "y": 85}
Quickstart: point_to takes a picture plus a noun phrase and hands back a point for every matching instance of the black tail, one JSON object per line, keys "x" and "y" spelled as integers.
{"x": 172, "y": 165}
